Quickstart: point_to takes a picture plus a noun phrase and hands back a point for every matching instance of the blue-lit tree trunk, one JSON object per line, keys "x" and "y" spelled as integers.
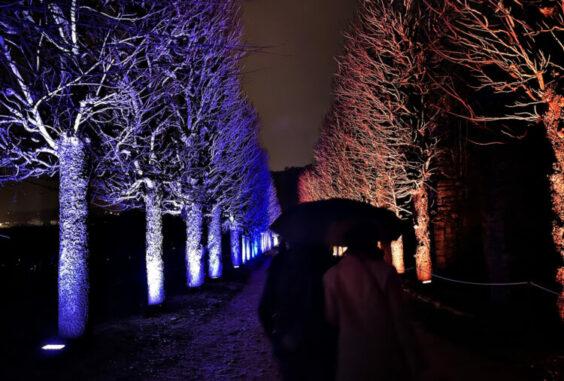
{"x": 215, "y": 268}
{"x": 154, "y": 245}
{"x": 73, "y": 238}
{"x": 256, "y": 244}
{"x": 235, "y": 246}
{"x": 244, "y": 250}
{"x": 194, "y": 250}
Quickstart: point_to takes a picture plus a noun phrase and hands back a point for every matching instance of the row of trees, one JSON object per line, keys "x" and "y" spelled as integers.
{"x": 409, "y": 72}
{"x": 138, "y": 102}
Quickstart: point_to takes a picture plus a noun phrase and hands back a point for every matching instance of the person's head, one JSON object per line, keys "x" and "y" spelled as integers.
{"x": 364, "y": 238}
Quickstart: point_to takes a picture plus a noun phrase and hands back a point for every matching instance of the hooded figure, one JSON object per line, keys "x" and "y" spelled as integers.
{"x": 292, "y": 311}
{"x": 363, "y": 300}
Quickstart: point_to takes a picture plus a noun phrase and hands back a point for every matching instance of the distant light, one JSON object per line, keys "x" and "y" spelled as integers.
{"x": 235, "y": 267}
{"x": 338, "y": 251}
{"x": 53, "y": 347}
{"x": 426, "y": 281}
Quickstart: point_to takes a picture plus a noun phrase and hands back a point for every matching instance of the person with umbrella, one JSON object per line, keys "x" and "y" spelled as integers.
{"x": 292, "y": 310}
{"x": 362, "y": 294}
{"x": 363, "y": 300}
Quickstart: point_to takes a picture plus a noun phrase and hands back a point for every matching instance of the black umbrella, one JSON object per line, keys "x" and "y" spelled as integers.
{"x": 330, "y": 222}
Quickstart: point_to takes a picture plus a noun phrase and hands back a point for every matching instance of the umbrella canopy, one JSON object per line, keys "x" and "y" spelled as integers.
{"x": 331, "y": 222}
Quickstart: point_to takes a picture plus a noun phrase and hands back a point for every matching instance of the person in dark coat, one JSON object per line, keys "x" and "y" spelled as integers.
{"x": 363, "y": 300}
{"x": 291, "y": 311}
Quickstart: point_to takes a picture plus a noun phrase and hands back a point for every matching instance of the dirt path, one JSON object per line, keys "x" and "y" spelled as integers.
{"x": 231, "y": 345}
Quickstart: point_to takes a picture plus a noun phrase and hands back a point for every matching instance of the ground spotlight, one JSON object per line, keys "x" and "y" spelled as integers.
{"x": 53, "y": 347}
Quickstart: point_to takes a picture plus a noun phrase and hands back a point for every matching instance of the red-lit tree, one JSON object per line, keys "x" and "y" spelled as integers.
{"x": 337, "y": 171}
{"x": 380, "y": 137}
{"x": 515, "y": 49}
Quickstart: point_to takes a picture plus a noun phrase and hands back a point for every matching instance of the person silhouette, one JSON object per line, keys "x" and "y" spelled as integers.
{"x": 363, "y": 300}
{"x": 292, "y": 311}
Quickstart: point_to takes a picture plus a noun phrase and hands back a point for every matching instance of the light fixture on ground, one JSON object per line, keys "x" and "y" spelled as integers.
{"x": 53, "y": 347}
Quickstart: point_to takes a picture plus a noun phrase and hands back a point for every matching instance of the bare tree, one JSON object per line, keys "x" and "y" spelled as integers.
{"x": 239, "y": 152}
{"x": 206, "y": 74}
{"x": 378, "y": 146}
{"x": 56, "y": 58}
{"x": 138, "y": 151}
{"x": 515, "y": 49}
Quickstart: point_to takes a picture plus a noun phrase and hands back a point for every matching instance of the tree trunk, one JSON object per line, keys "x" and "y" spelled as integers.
{"x": 215, "y": 267}
{"x": 256, "y": 244}
{"x": 423, "y": 252}
{"x": 246, "y": 249}
{"x": 194, "y": 249}
{"x": 555, "y": 133}
{"x": 397, "y": 255}
{"x": 74, "y": 283}
{"x": 235, "y": 246}
{"x": 154, "y": 245}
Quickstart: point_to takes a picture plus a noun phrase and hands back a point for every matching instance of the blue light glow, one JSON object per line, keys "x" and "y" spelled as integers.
{"x": 243, "y": 249}
{"x": 215, "y": 267}
{"x": 73, "y": 239}
{"x": 256, "y": 243}
{"x": 194, "y": 249}
{"x": 246, "y": 251}
{"x": 249, "y": 252}
{"x": 235, "y": 246}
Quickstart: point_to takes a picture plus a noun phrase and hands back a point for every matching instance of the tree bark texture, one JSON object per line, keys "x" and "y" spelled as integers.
{"x": 73, "y": 237}
{"x": 423, "y": 251}
{"x": 235, "y": 246}
{"x": 215, "y": 268}
{"x": 154, "y": 246}
{"x": 555, "y": 134}
{"x": 194, "y": 250}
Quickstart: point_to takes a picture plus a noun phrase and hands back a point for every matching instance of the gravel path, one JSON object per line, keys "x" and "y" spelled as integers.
{"x": 231, "y": 345}
{"x": 211, "y": 333}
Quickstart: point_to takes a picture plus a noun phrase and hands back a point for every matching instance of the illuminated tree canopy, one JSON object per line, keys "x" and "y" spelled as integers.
{"x": 137, "y": 100}
{"x": 57, "y": 63}
{"x": 378, "y": 142}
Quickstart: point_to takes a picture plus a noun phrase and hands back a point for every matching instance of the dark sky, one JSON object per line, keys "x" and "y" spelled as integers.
{"x": 290, "y": 82}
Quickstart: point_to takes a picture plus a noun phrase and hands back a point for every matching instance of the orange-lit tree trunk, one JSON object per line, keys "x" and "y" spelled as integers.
{"x": 423, "y": 251}
{"x": 397, "y": 255}
{"x": 555, "y": 133}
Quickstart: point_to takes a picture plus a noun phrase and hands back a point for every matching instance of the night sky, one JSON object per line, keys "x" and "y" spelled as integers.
{"x": 290, "y": 81}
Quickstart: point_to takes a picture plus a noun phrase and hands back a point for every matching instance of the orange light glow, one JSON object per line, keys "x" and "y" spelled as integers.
{"x": 338, "y": 251}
